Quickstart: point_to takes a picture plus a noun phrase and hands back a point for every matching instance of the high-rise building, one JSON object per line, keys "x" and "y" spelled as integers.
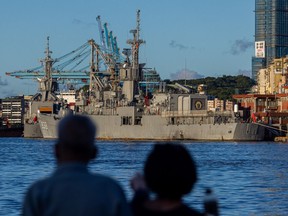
{"x": 13, "y": 110}
{"x": 271, "y": 33}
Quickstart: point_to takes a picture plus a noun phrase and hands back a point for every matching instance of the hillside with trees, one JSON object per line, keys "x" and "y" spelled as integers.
{"x": 221, "y": 87}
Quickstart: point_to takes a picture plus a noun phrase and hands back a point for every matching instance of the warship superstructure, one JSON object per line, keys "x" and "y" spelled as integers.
{"x": 121, "y": 109}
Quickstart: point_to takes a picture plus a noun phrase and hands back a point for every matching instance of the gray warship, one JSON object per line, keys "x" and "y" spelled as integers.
{"x": 122, "y": 111}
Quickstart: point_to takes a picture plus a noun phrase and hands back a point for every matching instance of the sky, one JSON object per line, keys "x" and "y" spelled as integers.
{"x": 184, "y": 39}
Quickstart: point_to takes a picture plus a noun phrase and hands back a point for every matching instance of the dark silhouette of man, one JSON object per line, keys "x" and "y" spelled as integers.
{"x": 73, "y": 190}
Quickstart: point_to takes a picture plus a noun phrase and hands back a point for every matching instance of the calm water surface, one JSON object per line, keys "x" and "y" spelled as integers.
{"x": 248, "y": 178}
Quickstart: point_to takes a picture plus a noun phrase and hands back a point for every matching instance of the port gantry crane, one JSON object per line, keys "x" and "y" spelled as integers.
{"x": 74, "y": 66}
{"x": 108, "y": 41}
{"x": 101, "y": 32}
{"x": 64, "y": 67}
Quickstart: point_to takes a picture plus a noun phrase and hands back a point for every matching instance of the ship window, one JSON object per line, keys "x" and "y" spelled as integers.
{"x": 172, "y": 120}
{"x": 137, "y": 121}
{"x": 126, "y": 120}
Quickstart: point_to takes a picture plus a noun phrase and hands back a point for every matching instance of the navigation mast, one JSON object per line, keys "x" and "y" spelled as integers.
{"x": 135, "y": 44}
{"x": 131, "y": 71}
{"x": 46, "y": 84}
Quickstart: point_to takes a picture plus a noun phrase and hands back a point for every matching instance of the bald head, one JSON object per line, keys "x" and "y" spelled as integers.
{"x": 76, "y": 136}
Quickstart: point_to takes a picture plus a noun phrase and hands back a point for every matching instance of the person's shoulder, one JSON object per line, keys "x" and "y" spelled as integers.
{"x": 104, "y": 179}
{"x": 188, "y": 211}
{"x": 38, "y": 186}
{"x": 106, "y": 184}
{"x": 142, "y": 209}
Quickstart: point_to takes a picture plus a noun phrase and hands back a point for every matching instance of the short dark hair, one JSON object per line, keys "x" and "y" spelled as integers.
{"x": 170, "y": 171}
{"x": 76, "y": 133}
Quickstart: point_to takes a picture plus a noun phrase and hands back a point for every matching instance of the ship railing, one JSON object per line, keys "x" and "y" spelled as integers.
{"x": 222, "y": 113}
{"x": 102, "y": 111}
{"x": 195, "y": 113}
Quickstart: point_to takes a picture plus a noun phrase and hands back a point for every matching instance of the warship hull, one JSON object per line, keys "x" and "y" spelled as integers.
{"x": 32, "y": 131}
{"x": 123, "y": 104}
{"x": 155, "y": 127}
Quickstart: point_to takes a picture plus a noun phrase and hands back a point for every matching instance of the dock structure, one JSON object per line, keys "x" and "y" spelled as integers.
{"x": 269, "y": 110}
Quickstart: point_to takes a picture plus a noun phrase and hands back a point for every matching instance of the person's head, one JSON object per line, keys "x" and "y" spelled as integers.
{"x": 76, "y": 137}
{"x": 170, "y": 171}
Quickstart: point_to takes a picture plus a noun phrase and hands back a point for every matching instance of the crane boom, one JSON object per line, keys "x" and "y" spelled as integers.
{"x": 111, "y": 41}
{"x": 101, "y": 32}
{"x": 107, "y": 37}
{"x": 116, "y": 49}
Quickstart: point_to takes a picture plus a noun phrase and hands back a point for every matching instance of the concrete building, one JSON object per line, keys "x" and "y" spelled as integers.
{"x": 229, "y": 105}
{"x": 219, "y": 105}
{"x": 13, "y": 110}
{"x": 271, "y": 33}
{"x": 211, "y": 105}
{"x": 274, "y": 78}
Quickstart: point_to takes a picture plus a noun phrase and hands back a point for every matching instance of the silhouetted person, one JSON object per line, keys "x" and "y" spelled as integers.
{"x": 72, "y": 189}
{"x": 170, "y": 173}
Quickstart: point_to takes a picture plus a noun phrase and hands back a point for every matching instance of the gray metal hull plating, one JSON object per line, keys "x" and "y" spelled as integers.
{"x": 32, "y": 131}
{"x": 155, "y": 127}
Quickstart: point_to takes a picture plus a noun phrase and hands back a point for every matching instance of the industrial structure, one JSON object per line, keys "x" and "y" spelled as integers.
{"x": 11, "y": 116}
{"x": 74, "y": 67}
{"x": 269, "y": 103}
{"x": 12, "y": 110}
{"x": 271, "y": 33}
{"x": 122, "y": 109}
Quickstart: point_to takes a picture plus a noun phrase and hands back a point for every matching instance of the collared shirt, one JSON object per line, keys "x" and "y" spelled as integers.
{"x": 73, "y": 190}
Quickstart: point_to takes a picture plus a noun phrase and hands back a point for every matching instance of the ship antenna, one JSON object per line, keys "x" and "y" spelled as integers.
{"x": 48, "y": 52}
{"x": 138, "y": 24}
{"x": 46, "y": 82}
{"x": 135, "y": 43}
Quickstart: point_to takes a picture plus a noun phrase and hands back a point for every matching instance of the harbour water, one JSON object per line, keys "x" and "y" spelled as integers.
{"x": 247, "y": 178}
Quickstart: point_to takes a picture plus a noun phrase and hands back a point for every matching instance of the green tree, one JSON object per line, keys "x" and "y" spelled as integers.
{"x": 222, "y": 87}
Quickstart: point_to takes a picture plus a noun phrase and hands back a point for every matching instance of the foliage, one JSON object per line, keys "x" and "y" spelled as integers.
{"x": 222, "y": 87}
